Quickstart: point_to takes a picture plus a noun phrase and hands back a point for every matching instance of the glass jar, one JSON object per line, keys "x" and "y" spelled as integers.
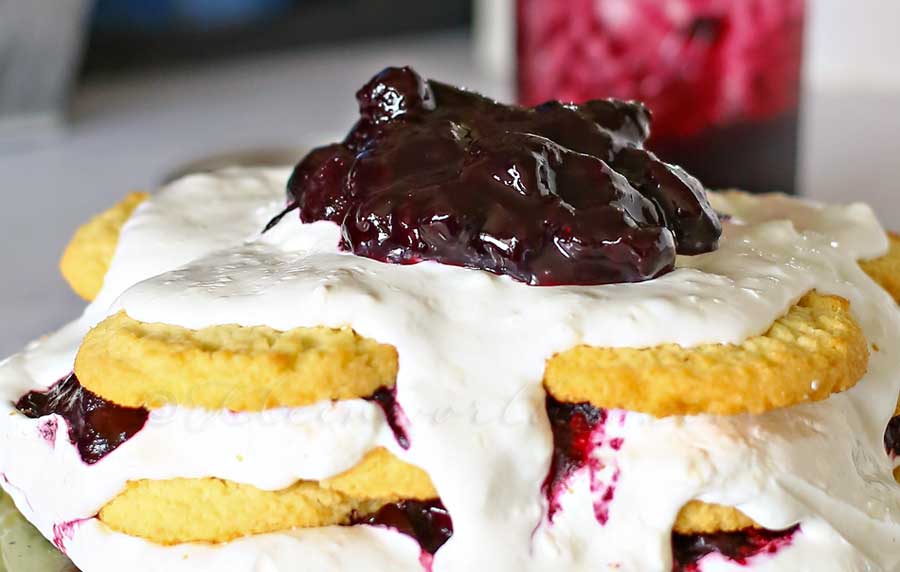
{"x": 722, "y": 77}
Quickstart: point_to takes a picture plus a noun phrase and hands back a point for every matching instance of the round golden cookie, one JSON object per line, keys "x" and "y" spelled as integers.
{"x": 151, "y": 365}
{"x": 816, "y": 349}
{"x": 87, "y": 257}
{"x": 886, "y": 269}
{"x": 214, "y": 510}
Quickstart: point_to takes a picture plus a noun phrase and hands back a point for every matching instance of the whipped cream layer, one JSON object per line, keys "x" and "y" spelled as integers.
{"x": 472, "y": 349}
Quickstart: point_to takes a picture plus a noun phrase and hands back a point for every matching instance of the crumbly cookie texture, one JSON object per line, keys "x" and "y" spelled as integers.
{"x": 886, "y": 270}
{"x": 232, "y": 367}
{"x": 698, "y": 517}
{"x": 88, "y": 255}
{"x": 214, "y": 510}
{"x": 816, "y": 349}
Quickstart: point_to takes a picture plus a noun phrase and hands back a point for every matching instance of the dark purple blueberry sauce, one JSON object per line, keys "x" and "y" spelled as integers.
{"x": 892, "y": 437}
{"x": 573, "y": 426}
{"x": 554, "y": 194}
{"x": 96, "y": 426}
{"x": 386, "y": 398}
{"x": 428, "y": 522}
{"x": 579, "y": 430}
{"x": 739, "y": 547}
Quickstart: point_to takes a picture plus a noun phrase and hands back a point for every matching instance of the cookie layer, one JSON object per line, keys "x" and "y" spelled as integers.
{"x": 232, "y": 367}
{"x": 698, "y": 517}
{"x": 87, "y": 257}
{"x": 214, "y": 510}
{"x": 886, "y": 269}
{"x": 816, "y": 349}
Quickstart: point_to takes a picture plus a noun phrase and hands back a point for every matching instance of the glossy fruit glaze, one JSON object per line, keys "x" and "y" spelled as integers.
{"x": 739, "y": 546}
{"x": 555, "y": 194}
{"x": 96, "y": 426}
{"x": 428, "y": 522}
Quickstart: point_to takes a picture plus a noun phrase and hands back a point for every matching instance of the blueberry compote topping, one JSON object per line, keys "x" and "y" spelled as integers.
{"x": 96, "y": 426}
{"x": 739, "y": 547}
{"x": 892, "y": 437}
{"x": 555, "y": 194}
{"x": 428, "y": 522}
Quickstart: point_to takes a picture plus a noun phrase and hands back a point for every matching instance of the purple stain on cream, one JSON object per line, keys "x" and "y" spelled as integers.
{"x": 47, "y": 431}
{"x": 579, "y": 431}
{"x": 604, "y": 494}
{"x": 427, "y": 561}
{"x": 65, "y": 531}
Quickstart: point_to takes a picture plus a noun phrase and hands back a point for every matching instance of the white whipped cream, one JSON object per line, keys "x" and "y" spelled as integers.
{"x": 472, "y": 350}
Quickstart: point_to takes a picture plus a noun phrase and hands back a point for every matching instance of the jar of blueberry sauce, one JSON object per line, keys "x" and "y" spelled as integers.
{"x": 722, "y": 77}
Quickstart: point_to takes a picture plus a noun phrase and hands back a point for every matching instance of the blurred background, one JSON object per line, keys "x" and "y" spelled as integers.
{"x": 101, "y": 97}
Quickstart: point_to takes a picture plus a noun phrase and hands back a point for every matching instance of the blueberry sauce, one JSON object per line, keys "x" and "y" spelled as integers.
{"x": 739, "y": 547}
{"x": 892, "y": 437}
{"x": 386, "y": 398}
{"x": 573, "y": 426}
{"x": 96, "y": 426}
{"x": 554, "y": 194}
{"x": 428, "y": 522}
{"x": 65, "y": 531}
{"x": 580, "y": 431}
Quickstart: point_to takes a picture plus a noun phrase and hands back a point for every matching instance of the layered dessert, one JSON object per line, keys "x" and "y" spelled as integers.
{"x": 469, "y": 336}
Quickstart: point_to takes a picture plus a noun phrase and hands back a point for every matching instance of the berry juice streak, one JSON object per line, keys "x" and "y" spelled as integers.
{"x": 721, "y": 78}
{"x": 579, "y": 430}
{"x": 386, "y": 399}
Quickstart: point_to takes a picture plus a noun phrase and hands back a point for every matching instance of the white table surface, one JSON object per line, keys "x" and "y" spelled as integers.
{"x": 130, "y": 133}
